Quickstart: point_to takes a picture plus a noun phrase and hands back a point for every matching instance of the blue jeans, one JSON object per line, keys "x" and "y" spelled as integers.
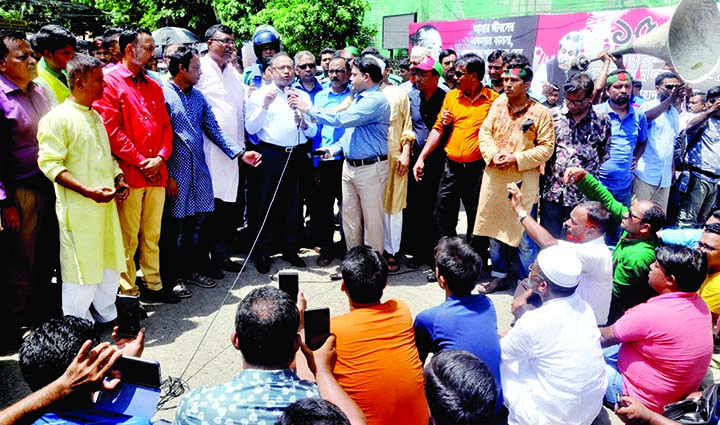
{"x": 615, "y": 380}
{"x": 525, "y": 253}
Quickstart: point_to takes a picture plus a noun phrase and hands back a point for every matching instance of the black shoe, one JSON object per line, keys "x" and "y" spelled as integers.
{"x": 161, "y": 296}
{"x": 325, "y": 258}
{"x": 262, "y": 264}
{"x": 415, "y": 262}
{"x": 211, "y": 271}
{"x": 229, "y": 265}
{"x": 294, "y": 259}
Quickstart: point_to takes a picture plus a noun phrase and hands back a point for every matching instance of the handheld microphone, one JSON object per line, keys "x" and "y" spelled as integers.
{"x": 298, "y": 113}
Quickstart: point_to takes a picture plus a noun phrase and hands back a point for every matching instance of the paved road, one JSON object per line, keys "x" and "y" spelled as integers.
{"x": 192, "y": 339}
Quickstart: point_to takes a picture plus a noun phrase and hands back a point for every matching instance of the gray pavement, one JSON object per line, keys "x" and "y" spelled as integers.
{"x": 192, "y": 339}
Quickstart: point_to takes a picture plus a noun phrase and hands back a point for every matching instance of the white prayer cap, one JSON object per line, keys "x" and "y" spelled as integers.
{"x": 560, "y": 265}
{"x": 380, "y": 62}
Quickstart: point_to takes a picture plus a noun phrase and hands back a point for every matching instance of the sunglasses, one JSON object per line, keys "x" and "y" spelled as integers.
{"x": 307, "y": 66}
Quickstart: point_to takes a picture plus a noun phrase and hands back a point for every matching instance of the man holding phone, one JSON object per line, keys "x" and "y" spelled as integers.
{"x": 266, "y": 333}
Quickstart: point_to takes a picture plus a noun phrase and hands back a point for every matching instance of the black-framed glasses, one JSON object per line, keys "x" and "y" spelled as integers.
{"x": 223, "y": 40}
{"x": 632, "y": 215}
{"x": 336, "y": 71}
{"x": 575, "y": 102}
{"x": 307, "y": 66}
{"x": 671, "y": 86}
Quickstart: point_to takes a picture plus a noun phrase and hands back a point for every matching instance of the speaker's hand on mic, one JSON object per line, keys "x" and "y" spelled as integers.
{"x": 298, "y": 104}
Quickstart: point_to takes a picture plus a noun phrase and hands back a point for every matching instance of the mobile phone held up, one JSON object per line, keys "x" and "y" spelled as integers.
{"x": 519, "y": 185}
{"x": 128, "y": 308}
{"x": 288, "y": 283}
{"x": 317, "y": 327}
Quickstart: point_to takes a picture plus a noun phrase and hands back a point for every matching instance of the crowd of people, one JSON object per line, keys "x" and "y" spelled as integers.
{"x": 117, "y": 178}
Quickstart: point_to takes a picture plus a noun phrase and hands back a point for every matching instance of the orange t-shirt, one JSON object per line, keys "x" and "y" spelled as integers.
{"x": 378, "y": 364}
{"x": 463, "y": 146}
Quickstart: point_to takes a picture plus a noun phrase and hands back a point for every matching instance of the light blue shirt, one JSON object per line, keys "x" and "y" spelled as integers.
{"x": 254, "y": 397}
{"x": 685, "y": 237}
{"x": 329, "y": 135}
{"x": 368, "y": 116}
{"x": 655, "y": 166}
{"x": 615, "y": 173}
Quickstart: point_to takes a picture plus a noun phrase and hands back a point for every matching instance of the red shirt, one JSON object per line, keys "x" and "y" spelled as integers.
{"x": 133, "y": 110}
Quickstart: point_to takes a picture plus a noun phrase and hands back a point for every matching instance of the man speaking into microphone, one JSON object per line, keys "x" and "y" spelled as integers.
{"x": 281, "y": 131}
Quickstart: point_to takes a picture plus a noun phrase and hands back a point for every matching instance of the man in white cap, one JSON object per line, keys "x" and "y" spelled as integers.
{"x": 551, "y": 368}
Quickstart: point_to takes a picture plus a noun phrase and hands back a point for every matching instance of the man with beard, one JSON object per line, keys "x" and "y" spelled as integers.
{"x": 629, "y": 136}
{"x": 653, "y": 175}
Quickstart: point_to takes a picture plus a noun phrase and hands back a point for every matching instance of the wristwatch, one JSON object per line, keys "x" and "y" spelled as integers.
{"x": 522, "y": 215}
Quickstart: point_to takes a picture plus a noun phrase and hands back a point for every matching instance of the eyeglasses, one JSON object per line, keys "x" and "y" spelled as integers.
{"x": 671, "y": 86}
{"x": 535, "y": 272}
{"x": 223, "y": 40}
{"x": 459, "y": 74}
{"x": 575, "y": 102}
{"x": 496, "y": 67}
{"x": 705, "y": 247}
{"x": 336, "y": 71}
{"x": 632, "y": 215}
{"x": 283, "y": 68}
{"x": 307, "y": 66}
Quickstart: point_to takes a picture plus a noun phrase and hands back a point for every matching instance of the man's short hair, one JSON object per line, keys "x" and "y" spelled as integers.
{"x": 597, "y": 215}
{"x": 364, "y": 273}
{"x": 404, "y": 64}
{"x": 688, "y": 265}
{"x": 46, "y": 353}
{"x": 702, "y": 97}
{"x": 712, "y": 228}
{"x": 655, "y": 217}
{"x": 495, "y": 54}
{"x": 460, "y": 389}
{"x": 53, "y": 38}
{"x": 370, "y": 66}
{"x": 712, "y": 93}
{"x": 210, "y": 33}
{"x": 348, "y": 65}
{"x": 280, "y": 55}
{"x": 80, "y": 65}
{"x": 445, "y": 53}
{"x": 302, "y": 54}
{"x": 181, "y": 56}
{"x": 313, "y": 411}
{"x": 664, "y": 76}
{"x": 327, "y": 50}
{"x": 6, "y": 36}
{"x": 370, "y": 50}
{"x": 580, "y": 81}
{"x": 266, "y": 327}
{"x": 458, "y": 264}
{"x": 716, "y": 214}
{"x": 130, "y": 36}
{"x": 473, "y": 64}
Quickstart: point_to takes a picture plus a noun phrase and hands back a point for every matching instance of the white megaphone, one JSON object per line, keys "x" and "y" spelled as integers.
{"x": 689, "y": 41}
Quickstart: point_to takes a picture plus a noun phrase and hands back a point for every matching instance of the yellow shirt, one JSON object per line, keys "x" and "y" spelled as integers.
{"x": 710, "y": 292}
{"x": 72, "y": 137}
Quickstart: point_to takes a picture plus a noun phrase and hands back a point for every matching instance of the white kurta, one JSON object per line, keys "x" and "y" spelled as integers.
{"x": 552, "y": 368}
{"x": 73, "y": 138}
{"x": 225, "y": 92}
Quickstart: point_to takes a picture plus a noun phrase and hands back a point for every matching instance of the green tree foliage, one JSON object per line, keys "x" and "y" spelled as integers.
{"x": 195, "y": 15}
{"x": 78, "y": 18}
{"x": 302, "y": 24}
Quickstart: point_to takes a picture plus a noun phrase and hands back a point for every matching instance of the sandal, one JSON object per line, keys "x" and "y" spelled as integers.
{"x": 392, "y": 263}
{"x": 201, "y": 281}
{"x": 497, "y": 284}
{"x": 180, "y": 290}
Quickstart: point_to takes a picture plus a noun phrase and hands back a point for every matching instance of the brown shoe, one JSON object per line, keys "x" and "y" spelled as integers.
{"x": 497, "y": 284}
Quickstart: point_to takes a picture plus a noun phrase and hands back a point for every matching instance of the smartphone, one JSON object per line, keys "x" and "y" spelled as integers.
{"x": 134, "y": 370}
{"x": 619, "y": 397}
{"x": 519, "y": 185}
{"x": 128, "y": 310}
{"x": 317, "y": 327}
{"x": 288, "y": 283}
{"x": 318, "y": 153}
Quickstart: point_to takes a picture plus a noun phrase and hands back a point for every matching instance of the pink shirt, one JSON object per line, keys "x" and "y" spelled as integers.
{"x": 666, "y": 348}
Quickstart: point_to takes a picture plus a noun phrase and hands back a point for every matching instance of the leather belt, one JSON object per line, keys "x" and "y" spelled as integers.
{"x": 368, "y": 161}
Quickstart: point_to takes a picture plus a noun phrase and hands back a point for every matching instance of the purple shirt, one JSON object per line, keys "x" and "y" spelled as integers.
{"x": 19, "y": 116}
